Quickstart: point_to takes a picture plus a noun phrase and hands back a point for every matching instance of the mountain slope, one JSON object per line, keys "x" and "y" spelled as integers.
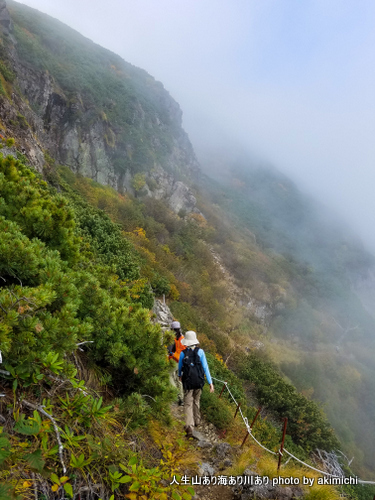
{"x": 92, "y": 111}
{"x": 320, "y": 332}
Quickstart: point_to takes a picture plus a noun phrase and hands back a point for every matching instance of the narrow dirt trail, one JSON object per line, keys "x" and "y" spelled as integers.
{"x": 214, "y": 456}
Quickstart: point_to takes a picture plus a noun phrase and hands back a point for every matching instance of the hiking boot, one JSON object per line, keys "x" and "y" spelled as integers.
{"x": 189, "y": 432}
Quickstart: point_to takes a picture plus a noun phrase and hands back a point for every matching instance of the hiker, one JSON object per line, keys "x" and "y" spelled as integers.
{"x": 192, "y": 368}
{"x": 174, "y": 353}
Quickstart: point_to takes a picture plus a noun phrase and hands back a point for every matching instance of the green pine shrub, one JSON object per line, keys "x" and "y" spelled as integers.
{"x": 307, "y": 424}
{"x": 160, "y": 285}
{"x": 39, "y": 303}
{"x": 107, "y": 241}
{"x": 219, "y": 370}
{"x": 215, "y": 410}
{"x": 48, "y": 304}
{"x": 26, "y": 200}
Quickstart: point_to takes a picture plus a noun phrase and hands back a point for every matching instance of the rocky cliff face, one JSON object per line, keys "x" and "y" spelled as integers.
{"x": 76, "y": 132}
{"x": 5, "y": 20}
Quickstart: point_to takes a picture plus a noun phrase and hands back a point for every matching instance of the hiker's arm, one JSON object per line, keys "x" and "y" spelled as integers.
{"x": 182, "y": 355}
{"x": 206, "y": 369}
{"x": 172, "y": 352}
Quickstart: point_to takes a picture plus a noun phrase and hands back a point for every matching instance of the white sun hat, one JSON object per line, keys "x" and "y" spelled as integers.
{"x": 190, "y": 339}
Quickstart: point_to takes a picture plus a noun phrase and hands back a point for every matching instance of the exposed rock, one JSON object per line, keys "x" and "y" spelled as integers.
{"x": 223, "y": 450}
{"x": 5, "y": 151}
{"x": 203, "y": 443}
{"x": 265, "y": 490}
{"x": 165, "y": 187}
{"x": 205, "y": 469}
{"x": 182, "y": 198}
{"x": 163, "y": 314}
{"x": 249, "y": 472}
{"x": 255, "y": 344}
{"x": 288, "y": 493}
{"x": 78, "y": 135}
{"x": 261, "y": 311}
{"x": 27, "y": 141}
{"x": 5, "y": 20}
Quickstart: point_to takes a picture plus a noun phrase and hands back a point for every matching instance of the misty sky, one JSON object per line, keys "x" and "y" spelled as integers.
{"x": 293, "y": 80}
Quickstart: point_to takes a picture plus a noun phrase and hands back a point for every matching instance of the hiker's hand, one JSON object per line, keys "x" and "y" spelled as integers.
{"x": 180, "y": 379}
{"x": 212, "y": 388}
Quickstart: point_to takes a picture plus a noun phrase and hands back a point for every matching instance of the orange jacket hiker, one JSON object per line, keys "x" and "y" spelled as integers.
{"x": 178, "y": 347}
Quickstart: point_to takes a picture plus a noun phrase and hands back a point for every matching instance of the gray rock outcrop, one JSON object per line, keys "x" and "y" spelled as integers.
{"x": 78, "y": 134}
{"x": 163, "y": 314}
{"x": 165, "y": 187}
{"x": 205, "y": 469}
{"x": 265, "y": 490}
{"x": 5, "y": 20}
{"x": 223, "y": 450}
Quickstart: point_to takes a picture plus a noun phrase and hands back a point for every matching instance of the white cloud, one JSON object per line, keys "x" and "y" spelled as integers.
{"x": 292, "y": 80}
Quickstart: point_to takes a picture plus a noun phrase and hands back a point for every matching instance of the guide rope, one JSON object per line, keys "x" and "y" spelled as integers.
{"x": 249, "y": 430}
{"x": 258, "y": 443}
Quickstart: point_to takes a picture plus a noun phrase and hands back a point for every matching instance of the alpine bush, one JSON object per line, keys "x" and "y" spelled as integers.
{"x": 58, "y": 287}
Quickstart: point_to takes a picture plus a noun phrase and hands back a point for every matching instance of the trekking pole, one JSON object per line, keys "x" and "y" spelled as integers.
{"x": 251, "y": 426}
{"x": 282, "y": 443}
{"x": 222, "y": 390}
{"x": 238, "y": 407}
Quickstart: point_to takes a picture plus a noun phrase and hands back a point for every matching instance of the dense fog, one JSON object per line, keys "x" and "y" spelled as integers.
{"x": 292, "y": 82}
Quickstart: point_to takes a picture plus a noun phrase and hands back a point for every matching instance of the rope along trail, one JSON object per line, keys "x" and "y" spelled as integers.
{"x": 246, "y": 422}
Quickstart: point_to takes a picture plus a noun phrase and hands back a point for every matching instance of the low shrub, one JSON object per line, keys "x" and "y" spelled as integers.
{"x": 215, "y": 410}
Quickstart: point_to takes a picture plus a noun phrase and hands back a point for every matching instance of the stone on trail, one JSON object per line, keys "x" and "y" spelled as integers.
{"x": 223, "y": 450}
{"x": 205, "y": 469}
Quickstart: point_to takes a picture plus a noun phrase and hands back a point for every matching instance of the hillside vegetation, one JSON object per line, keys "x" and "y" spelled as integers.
{"x": 319, "y": 333}
{"x": 60, "y": 267}
{"x": 177, "y": 262}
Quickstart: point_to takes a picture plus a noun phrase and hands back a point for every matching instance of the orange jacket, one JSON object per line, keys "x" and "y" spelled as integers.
{"x": 179, "y": 348}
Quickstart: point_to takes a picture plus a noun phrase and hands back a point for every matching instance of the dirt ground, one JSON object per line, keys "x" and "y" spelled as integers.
{"x": 202, "y": 492}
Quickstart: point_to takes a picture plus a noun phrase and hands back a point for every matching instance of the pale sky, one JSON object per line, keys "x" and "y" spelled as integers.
{"x": 292, "y": 80}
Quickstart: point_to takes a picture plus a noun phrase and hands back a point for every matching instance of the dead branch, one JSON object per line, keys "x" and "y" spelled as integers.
{"x": 61, "y": 447}
{"x": 82, "y": 343}
{"x": 329, "y": 461}
{"x": 62, "y": 381}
